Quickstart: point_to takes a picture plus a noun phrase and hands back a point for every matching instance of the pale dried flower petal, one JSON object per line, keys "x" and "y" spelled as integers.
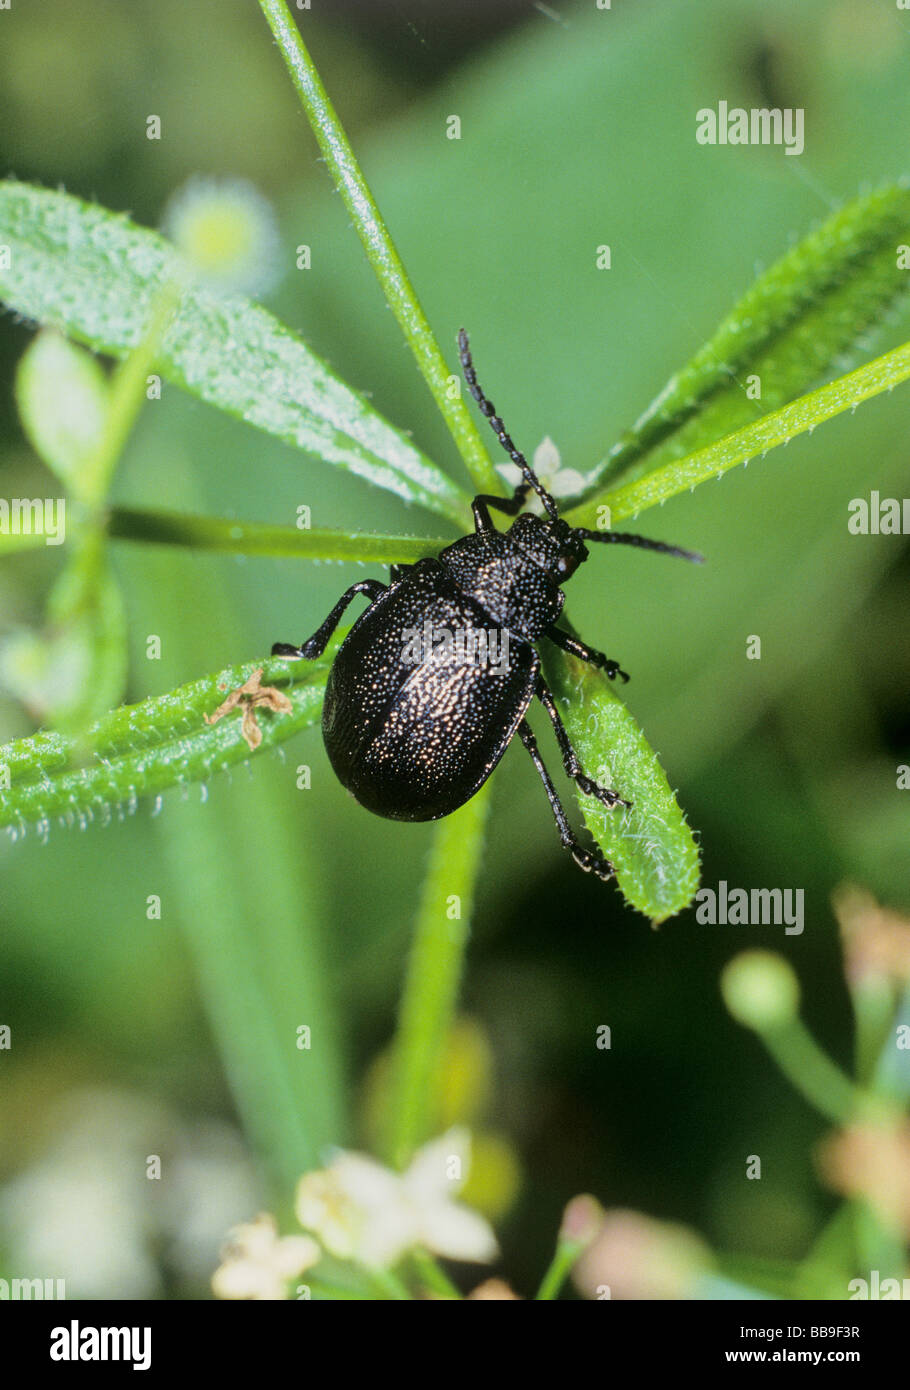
{"x": 363, "y": 1211}
{"x": 257, "y": 1262}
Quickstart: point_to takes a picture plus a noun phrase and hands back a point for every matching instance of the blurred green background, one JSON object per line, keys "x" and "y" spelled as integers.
{"x": 577, "y": 128}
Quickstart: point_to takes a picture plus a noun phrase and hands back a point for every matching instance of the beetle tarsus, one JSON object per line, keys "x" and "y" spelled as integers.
{"x": 594, "y": 863}
{"x": 603, "y": 794}
{"x": 570, "y": 758}
{"x": 567, "y": 643}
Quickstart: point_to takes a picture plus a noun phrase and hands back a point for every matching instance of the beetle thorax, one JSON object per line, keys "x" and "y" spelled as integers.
{"x": 511, "y": 586}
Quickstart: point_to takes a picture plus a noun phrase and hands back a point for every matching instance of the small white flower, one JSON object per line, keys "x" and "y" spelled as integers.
{"x": 257, "y": 1262}
{"x": 558, "y": 481}
{"x": 363, "y": 1211}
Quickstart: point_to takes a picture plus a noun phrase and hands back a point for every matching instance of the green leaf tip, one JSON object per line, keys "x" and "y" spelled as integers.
{"x": 96, "y": 276}
{"x": 805, "y": 315}
{"x": 651, "y": 846}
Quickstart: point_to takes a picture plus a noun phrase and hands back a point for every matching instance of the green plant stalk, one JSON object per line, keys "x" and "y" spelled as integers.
{"x": 257, "y": 538}
{"x": 800, "y": 417}
{"x": 87, "y": 586}
{"x": 873, "y": 1012}
{"x": 891, "y": 1078}
{"x": 127, "y": 392}
{"x": 378, "y": 244}
{"x": 387, "y": 1284}
{"x": 434, "y": 970}
{"x": 811, "y": 1072}
{"x": 829, "y": 1257}
{"x": 878, "y": 1244}
{"x": 567, "y": 1252}
{"x": 324, "y": 1293}
{"x": 433, "y": 1276}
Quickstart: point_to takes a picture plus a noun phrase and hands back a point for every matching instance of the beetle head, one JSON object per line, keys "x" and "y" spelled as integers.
{"x": 552, "y": 544}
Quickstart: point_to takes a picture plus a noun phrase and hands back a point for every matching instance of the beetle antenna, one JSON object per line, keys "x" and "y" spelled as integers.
{"x": 489, "y": 410}
{"x": 623, "y": 538}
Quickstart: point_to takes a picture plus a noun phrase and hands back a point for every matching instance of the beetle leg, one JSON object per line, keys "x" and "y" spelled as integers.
{"x": 585, "y": 653}
{"x": 570, "y": 757}
{"x": 589, "y": 860}
{"x": 510, "y": 505}
{"x": 314, "y": 646}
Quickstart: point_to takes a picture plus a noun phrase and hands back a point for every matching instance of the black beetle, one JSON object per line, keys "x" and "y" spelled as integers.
{"x": 434, "y": 679}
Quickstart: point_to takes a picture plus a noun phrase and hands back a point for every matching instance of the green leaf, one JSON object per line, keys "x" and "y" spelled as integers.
{"x": 796, "y": 321}
{"x": 650, "y": 846}
{"x": 62, "y": 396}
{"x": 800, "y": 417}
{"x": 95, "y": 275}
{"x": 256, "y": 538}
{"x": 143, "y": 749}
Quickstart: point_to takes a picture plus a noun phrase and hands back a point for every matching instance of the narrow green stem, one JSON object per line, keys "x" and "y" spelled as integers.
{"x": 86, "y": 591}
{"x": 434, "y": 1276}
{"x": 257, "y": 538}
{"x": 831, "y": 1251}
{"x": 878, "y": 1243}
{"x": 873, "y": 1010}
{"x": 811, "y": 1072}
{"x": 334, "y": 1292}
{"x": 434, "y": 970}
{"x": 387, "y": 1284}
{"x": 127, "y": 392}
{"x": 567, "y": 1252}
{"x": 779, "y": 427}
{"x": 378, "y": 244}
